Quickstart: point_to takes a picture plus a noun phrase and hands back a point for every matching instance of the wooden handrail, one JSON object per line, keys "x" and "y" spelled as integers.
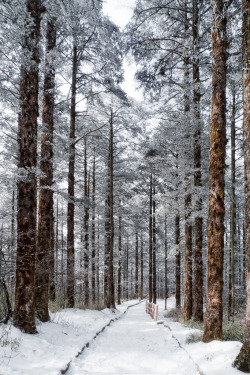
{"x": 152, "y": 309}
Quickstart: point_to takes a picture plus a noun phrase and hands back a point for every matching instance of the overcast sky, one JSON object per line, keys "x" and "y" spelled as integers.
{"x": 120, "y": 12}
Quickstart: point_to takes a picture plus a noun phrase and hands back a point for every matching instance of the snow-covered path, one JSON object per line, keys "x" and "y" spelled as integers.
{"x": 135, "y": 344}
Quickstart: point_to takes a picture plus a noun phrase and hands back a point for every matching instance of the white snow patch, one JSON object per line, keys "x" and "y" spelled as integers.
{"x": 135, "y": 344}
{"x": 56, "y": 343}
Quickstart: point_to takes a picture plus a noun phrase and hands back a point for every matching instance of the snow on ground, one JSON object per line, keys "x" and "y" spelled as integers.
{"x": 214, "y": 358}
{"x": 135, "y": 344}
{"x": 56, "y": 343}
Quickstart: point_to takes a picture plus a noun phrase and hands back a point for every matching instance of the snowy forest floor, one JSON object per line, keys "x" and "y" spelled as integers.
{"x": 134, "y": 344}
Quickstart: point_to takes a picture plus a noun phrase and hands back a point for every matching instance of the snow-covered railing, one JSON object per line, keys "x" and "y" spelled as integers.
{"x": 152, "y": 309}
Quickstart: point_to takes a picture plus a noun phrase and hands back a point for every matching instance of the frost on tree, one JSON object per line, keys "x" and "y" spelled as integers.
{"x": 24, "y": 314}
{"x": 242, "y": 362}
{"x": 213, "y": 319}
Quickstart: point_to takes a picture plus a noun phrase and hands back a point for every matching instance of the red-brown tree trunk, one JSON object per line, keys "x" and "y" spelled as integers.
{"x": 119, "y": 259}
{"x": 198, "y": 271}
{"x": 109, "y": 226}
{"x": 136, "y": 266}
{"x": 166, "y": 262}
{"x": 233, "y": 214}
{"x": 242, "y": 362}
{"x": 214, "y": 309}
{"x": 71, "y": 189}
{"x": 45, "y": 240}
{"x": 150, "y": 243}
{"x": 188, "y": 295}
{"x": 86, "y": 230}
{"x": 24, "y": 312}
{"x": 93, "y": 274}
{"x": 177, "y": 263}
{"x": 142, "y": 267}
{"x": 154, "y": 248}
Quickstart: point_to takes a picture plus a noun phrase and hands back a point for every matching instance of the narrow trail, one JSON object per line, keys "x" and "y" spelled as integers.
{"x": 135, "y": 344}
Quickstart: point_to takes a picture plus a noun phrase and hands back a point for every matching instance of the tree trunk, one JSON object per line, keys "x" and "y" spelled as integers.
{"x": 136, "y": 266}
{"x": 233, "y": 214}
{"x": 71, "y": 190}
{"x": 119, "y": 259}
{"x": 98, "y": 262}
{"x": 188, "y": 296}
{"x": 141, "y": 267}
{"x": 213, "y": 319}
{"x": 126, "y": 272}
{"x": 86, "y": 230}
{"x": 154, "y": 248}
{"x": 166, "y": 263}
{"x": 24, "y": 313}
{"x": 109, "y": 290}
{"x": 242, "y": 362}
{"x": 150, "y": 243}
{"x": 177, "y": 263}
{"x": 45, "y": 241}
{"x": 93, "y": 237}
{"x": 198, "y": 271}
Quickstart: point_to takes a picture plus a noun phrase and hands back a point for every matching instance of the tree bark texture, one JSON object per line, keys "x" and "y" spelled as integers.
{"x": 198, "y": 271}
{"x": 213, "y": 318}
{"x": 93, "y": 273}
{"x": 242, "y": 362}
{"x": 45, "y": 240}
{"x": 136, "y": 265}
{"x": 24, "y": 312}
{"x": 188, "y": 295}
{"x": 119, "y": 259}
{"x": 154, "y": 247}
{"x": 142, "y": 267}
{"x": 166, "y": 263}
{"x": 86, "y": 230}
{"x": 233, "y": 214}
{"x": 177, "y": 263}
{"x": 150, "y": 243}
{"x": 109, "y": 248}
{"x": 71, "y": 189}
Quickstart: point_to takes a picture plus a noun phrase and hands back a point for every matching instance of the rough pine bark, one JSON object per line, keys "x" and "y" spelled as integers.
{"x": 214, "y": 309}
{"x": 166, "y": 262}
{"x": 154, "y": 248}
{"x": 109, "y": 213}
{"x": 93, "y": 274}
{"x": 150, "y": 243}
{"x": 198, "y": 271}
{"x": 177, "y": 263}
{"x": 233, "y": 215}
{"x": 136, "y": 265}
{"x": 119, "y": 259}
{"x": 24, "y": 312}
{"x": 242, "y": 362}
{"x": 45, "y": 238}
{"x": 98, "y": 261}
{"x": 188, "y": 295}
{"x": 86, "y": 230}
{"x": 141, "y": 267}
{"x": 71, "y": 189}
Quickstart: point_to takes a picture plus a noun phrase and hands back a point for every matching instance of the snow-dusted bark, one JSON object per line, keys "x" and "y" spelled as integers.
{"x": 198, "y": 272}
{"x": 213, "y": 319}
{"x": 45, "y": 241}
{"x": 71, "y": 189}
{"x": 242, "y": 362}
{"x": 24, "y": 313}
